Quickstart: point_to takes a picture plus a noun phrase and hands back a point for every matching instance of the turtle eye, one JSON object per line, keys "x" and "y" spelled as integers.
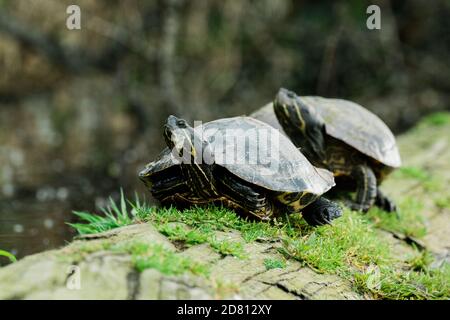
{"x": 181, "y": 123}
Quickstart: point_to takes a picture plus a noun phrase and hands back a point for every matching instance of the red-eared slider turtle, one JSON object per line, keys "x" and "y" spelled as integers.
{"x": 341, "y": 136}
{"x": 241, "y": 163}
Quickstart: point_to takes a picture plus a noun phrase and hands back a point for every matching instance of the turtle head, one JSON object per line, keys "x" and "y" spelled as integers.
{"x": 184, "y": 141}
{"x": 301, "y": 122}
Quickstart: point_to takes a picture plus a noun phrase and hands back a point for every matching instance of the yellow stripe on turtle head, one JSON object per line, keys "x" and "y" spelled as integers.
{"x": 299, "y": 116}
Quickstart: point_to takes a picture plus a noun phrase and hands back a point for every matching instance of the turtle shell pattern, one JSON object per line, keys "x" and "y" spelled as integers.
{"x": 279, "y": 165}
{"x": 350, "y": 123}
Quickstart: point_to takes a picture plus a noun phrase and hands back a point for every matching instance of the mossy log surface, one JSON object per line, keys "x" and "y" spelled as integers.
{"x": 111, "y": 274}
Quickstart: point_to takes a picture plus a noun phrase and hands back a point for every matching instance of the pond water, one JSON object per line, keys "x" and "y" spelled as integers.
{"x": 38, "y": 222}
{"x": 29, "y": 225}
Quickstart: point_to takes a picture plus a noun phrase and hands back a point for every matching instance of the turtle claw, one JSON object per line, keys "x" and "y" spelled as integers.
{"x": 313, "y": 220}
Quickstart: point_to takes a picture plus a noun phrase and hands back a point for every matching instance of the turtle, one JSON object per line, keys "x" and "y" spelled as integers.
{"x": 341, "y": 136}
{"x": 215, "y": 163}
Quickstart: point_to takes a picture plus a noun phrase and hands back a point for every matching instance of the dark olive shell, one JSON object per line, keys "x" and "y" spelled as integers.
{"x": 284, "y": 168}
{"x": 350, "y": 123}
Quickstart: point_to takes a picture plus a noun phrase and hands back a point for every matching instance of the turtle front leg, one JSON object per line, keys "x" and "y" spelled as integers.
{"x": 242, "y": 196}
{"x": 320, "y": 212}
{"x": 366, "y": 188}
{"x": 384, "y": 203}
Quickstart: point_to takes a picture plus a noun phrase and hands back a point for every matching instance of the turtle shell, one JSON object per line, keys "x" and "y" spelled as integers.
{"x": 256, "y": 152}
{"x": 358, "y": 127}
{"x": 350, "y": 123}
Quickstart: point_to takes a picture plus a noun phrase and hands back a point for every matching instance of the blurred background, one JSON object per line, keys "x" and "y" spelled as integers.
{"x": 81, "y": 111}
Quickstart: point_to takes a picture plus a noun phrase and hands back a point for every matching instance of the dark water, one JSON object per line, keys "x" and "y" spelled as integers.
{"x": 36, "y": 220}
{"x": 29, "y": 225}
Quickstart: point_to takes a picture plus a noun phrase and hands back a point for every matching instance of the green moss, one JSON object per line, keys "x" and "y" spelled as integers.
{"x": 225, "y": 248}
{"x": 145, "y": 256}
{"x": 407, "y": 221}
{"x": 181, "y": 233}
{"x": 198, "y": 236}
{"x": 274, "y": 264}
{"x": 79, "y": 250}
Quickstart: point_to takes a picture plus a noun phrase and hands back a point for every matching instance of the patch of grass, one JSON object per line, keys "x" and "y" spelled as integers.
{"x": 181, "y": 233}
{"x": 198, "y": 236}
{"x": 8, "y": 255}
{"x": 349, "y": 243}
{"x": 406, "y": 285}
{"x": 274, "y": 264}
{"x": 413, "y": 172}
{"x": 443, "y": 203}
{"x": 228, "y": 248}
{"x": 420, "y": 261}
{"x": 114, "y": 216}
{"x": 407, "y": 221}
{"x": 79, "y": 250}
{"x": 437, "y": 119}
{"x": 252, "y": 231}
{"x": 351, "y": 249}
{"x": 205, "y": 219}
{"x": 145, "y": 256}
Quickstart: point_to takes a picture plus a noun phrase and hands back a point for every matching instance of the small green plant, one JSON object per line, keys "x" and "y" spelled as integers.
{"x": 420, "y": 261}
{"x": 8, "y": 255}
{"x": 274, "y": 264}
{"x": 114, "y": 216}
{"x": 181, "y": 233}
{"x": 443, "y": 202}
{"x": 231, "y": 248}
